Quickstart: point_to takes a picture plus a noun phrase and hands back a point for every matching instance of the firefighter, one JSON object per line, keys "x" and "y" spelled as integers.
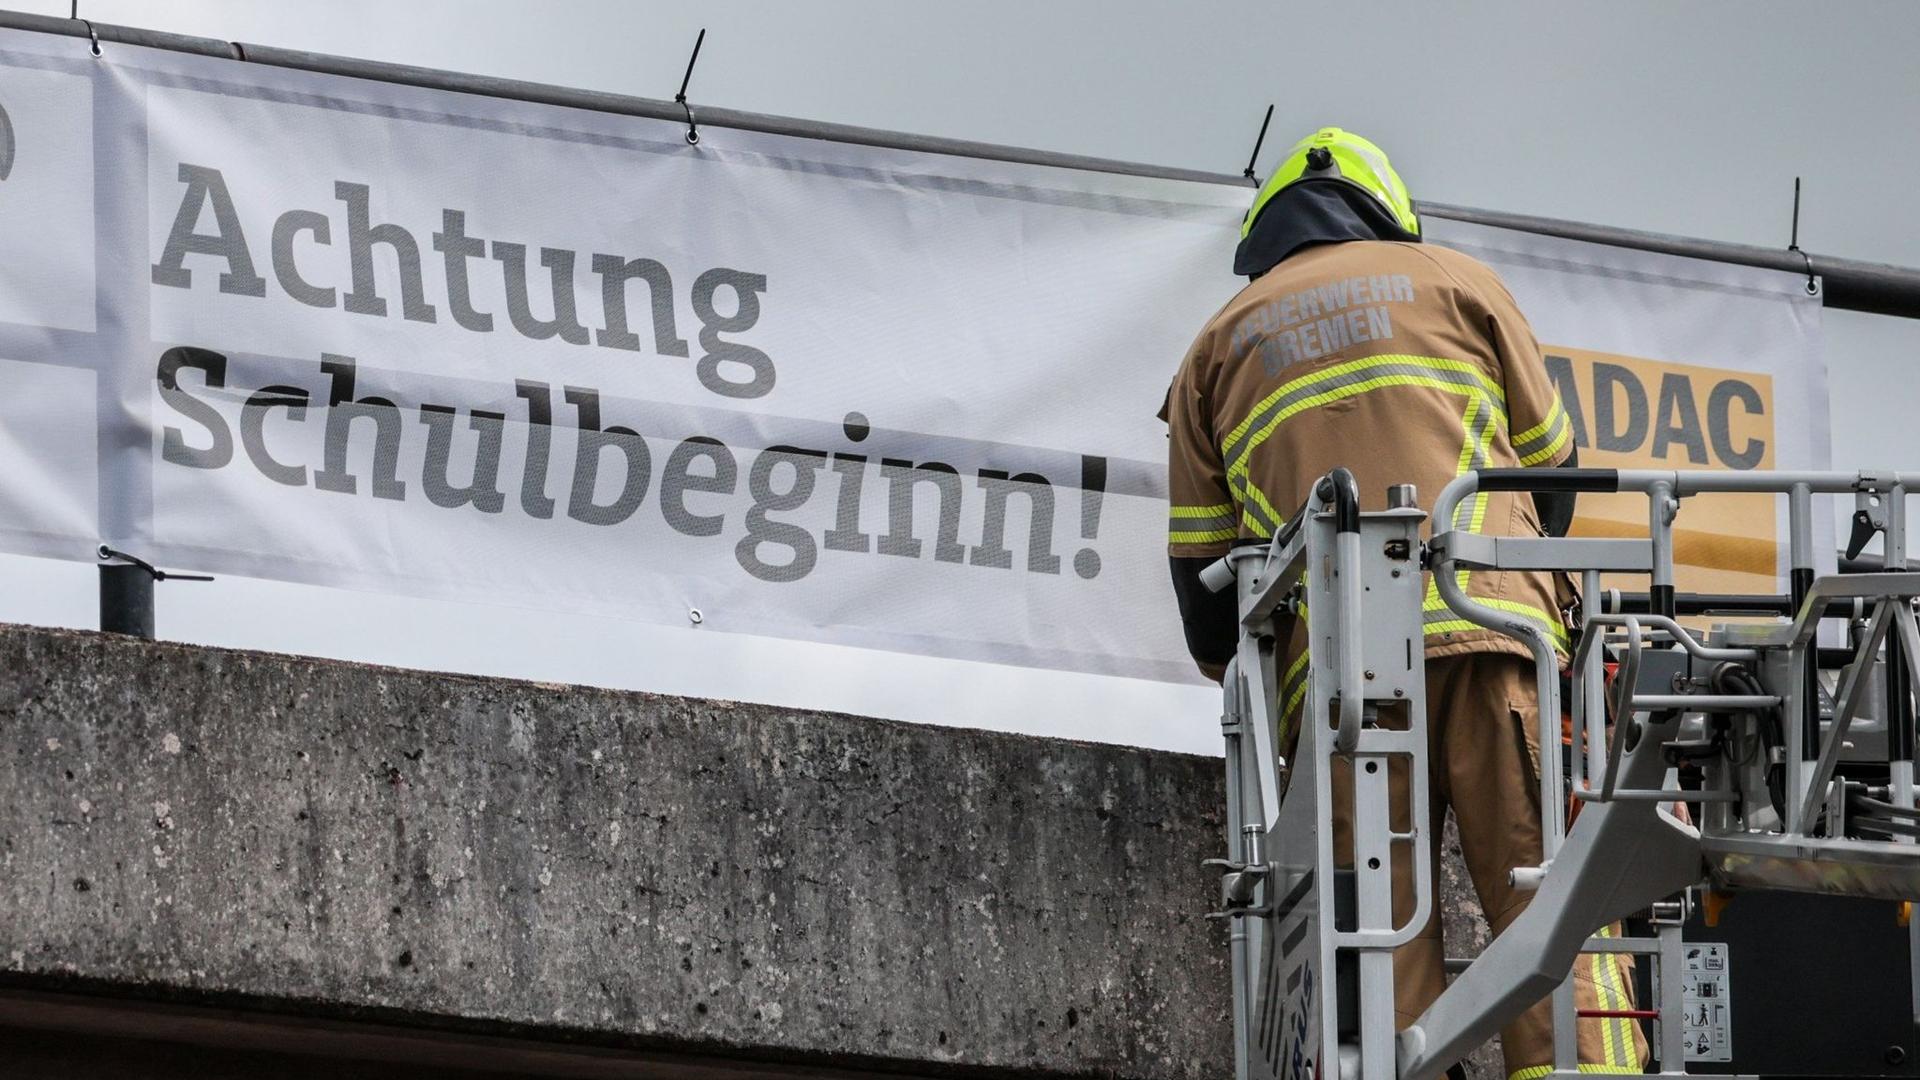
{"x": 1355, "y": 344}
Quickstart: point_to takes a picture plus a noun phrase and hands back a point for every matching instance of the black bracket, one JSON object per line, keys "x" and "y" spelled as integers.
{"x": 107, "y": 554}
{"x": 1864, "y": 529}
{"x": 1238, "y": 881}
{"x": 1260, "y": 912}
{"x": 693, "y": 131}
{"x": 1869, "y": 518}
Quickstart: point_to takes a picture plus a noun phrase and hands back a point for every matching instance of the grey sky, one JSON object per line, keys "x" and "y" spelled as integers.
{"x": 1686, "y": 118}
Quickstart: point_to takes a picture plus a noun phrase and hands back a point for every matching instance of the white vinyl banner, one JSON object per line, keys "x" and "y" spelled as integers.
{"x": 266, "y": 322}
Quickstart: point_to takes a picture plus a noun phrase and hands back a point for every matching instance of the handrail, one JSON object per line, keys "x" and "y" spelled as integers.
{"x": 1339, "y": 490}
{"x": 1546, "y": 667}
{"x": 1679, "y": 633}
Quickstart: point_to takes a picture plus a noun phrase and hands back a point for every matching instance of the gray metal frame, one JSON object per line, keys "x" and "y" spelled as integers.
{"x": 1360, "y": 594}
{"x": 1626, "y": 853}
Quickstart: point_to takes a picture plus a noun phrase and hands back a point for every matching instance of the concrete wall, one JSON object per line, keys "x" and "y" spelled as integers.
{"x": 335, "y": 840}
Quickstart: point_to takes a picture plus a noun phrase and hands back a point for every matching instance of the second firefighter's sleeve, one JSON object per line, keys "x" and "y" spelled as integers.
{"x": 1201, "y": 524}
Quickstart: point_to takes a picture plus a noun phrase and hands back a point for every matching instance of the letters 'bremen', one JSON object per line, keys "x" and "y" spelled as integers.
{"x": 748, "y": 372}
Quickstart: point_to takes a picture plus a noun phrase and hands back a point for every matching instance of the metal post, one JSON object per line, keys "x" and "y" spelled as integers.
{"x": 126, "y": 601}
{"x": 1661, "y": 510}
{"x": 1592, "y": 688}
{"x": 1237, "y": 944}
{"x": 1900, "y": 718}
{"x": 1900, "y": 731}
{"x": 1372, "y": 832}
{"x": 1566, "y": 1026}
{"x": 1805, "y": 710}
{"x": 1800, "y": 541}
{"x": 1669, "y": 990}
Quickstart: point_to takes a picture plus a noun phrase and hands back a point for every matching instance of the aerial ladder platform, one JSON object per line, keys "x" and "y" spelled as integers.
{"x": 1795, "y": 757}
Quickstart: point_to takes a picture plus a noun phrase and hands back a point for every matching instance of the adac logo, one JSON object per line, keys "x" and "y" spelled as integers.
{"x": 6, "y": 143}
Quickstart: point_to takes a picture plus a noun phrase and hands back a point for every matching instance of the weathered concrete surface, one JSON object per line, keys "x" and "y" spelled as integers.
{"x": 346, "y": 840}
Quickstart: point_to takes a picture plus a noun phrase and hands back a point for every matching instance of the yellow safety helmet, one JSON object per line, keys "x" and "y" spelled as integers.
{"x": 1333, "y": 154}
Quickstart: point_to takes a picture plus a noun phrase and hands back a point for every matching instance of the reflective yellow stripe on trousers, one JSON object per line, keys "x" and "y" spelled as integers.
{"x": 1534, "y": 1072}
{"x": 1619, "y": 1055}
{"x": 1616, "y": 1033}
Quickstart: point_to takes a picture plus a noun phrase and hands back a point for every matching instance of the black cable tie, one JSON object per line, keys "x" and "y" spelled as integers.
{"x": 1793, "y": 242}
{"x": 93, "y": 36}
{"x": 693, "y": 131}
{"x": 1257, "y": 143}
{"x": 108, "y": 554}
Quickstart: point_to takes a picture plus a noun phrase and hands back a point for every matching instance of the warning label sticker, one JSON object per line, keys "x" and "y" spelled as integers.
{"x": 1707, "y": 1003}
